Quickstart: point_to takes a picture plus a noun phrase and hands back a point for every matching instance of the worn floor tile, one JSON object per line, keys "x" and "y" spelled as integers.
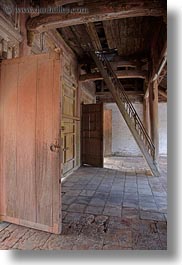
{"x": 3, "y": 225}
{"x": 152, "y": 216}
{"x": 112, "y": 211}
{"x": 94, "y": 210}
{"x": 129, "y": 211}
{"x": 77, "y": 207}
{"x": 11, "y": 235}
{"x": 32, "y": 240}
{"x": 87, "y": 193}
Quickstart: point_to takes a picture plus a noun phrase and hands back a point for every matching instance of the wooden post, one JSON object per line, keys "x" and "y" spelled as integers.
{"x": 146, "y": 115}
{"x": 24, "y": 48}
{"x": 154, "y": 117}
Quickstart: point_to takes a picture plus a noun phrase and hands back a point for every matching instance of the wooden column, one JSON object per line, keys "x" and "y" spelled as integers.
{"x": 154, "y": 117}
{"x": 146, "y": 115}
{"x": 24, "y": 48}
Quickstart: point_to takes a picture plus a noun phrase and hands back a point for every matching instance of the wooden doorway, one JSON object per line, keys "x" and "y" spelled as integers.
{"x": 30, "y": 184}
{"x": 92, "y": 135}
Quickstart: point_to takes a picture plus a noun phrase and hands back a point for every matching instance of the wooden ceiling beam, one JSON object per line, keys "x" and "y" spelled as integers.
{"x": 66, "y": 2}
{"x": 156, "y": 68}
{"x": 106, "y": 97}
{"x": 120, "y": 74}
{"x": 93, "y": 11}
{"x": 129, "y": 93}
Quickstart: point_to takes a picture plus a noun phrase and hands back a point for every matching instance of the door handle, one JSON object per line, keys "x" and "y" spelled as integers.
{"x": 55, "y": 147}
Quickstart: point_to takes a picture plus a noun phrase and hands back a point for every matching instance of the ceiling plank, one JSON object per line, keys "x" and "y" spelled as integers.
{"x": 90, "y": 27}
{"x": 69, "y": 36}
{"x": 110, "y": 36}
{"x": 97, "y": 11}
{"x": 120, "y": 74}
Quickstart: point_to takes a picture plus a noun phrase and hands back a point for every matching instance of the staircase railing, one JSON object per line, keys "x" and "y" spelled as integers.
{"x": 128, "y": 106}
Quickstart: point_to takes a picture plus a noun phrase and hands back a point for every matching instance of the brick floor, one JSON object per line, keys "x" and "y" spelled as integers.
{"x": 118, "y": 207}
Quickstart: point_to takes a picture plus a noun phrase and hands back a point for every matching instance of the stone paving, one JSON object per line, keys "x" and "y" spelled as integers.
{"x": 104, "y": 209}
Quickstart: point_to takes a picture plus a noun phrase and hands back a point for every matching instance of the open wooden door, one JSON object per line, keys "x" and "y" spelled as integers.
{"x": 29, "y": 142}
{"x": 92, "y": 135}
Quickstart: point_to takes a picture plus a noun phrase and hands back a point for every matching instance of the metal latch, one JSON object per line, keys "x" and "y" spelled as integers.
{"x": 55, "y": 147}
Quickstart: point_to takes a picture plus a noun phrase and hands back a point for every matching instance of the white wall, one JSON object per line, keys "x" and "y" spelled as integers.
{"x": 123, "y": 142}
{"x": 163, "y": 128}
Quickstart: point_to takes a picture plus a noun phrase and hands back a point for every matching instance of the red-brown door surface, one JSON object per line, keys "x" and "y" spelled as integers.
{"x": 29, "y": 126}
{"x": 92, "y": 135}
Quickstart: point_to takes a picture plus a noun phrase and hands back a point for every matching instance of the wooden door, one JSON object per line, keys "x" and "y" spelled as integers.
{"x": 92, "y": 134}
{"x": 107, "y": 132}
{"x": 29, "y": 128}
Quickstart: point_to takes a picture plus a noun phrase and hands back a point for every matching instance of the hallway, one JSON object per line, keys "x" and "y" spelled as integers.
{"x": 103, "y": 209}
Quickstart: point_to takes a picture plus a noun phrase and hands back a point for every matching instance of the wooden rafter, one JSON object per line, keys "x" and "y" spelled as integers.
{"x": 120, "y": 74}
{"x": 135, "y": 96}
{"x": 97, "y": 11}
{"x": 156, "y": 69}
{"x": 65, "y": 2}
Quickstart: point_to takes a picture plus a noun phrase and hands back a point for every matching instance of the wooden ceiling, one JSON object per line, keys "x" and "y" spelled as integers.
{"x": 125, "y": 30}
{"x": 130, "y": 37}
{"x": 126, "y": 39}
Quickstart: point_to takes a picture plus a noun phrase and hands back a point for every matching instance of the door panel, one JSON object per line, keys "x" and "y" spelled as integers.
{"x": 8, "y": 144}
{"x": 107, "y": 132}
{"x": 92, "y": 134}
{"x": 25, "y": 141}
{"x": 69, "y": 116}
{"x": 29, "y": 122}
{"x": 68, "y": 144}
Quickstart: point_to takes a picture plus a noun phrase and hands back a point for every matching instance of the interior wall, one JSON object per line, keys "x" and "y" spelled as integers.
{"x": 163, "y": 129}
{"x": 123, "y": 143}
{"x": 87, "y": 92}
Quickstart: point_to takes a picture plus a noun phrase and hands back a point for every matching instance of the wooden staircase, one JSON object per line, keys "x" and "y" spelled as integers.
{"x": 127, "y": 110}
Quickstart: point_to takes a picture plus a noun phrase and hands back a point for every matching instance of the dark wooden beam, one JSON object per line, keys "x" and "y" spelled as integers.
{"x": 123, "y": 63}
{"x": 97, "y": 11}
{"x": 120, "y": 74}
{"x": 106, "y": 97}
{"x": 156, "y": 68}
{"x": 129, "y": 93}
{"x": 116, "y": 61}
{"x": 66, "y": 2}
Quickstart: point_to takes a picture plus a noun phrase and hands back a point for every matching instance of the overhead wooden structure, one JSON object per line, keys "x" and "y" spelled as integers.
{"x": 97, "y": 11}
